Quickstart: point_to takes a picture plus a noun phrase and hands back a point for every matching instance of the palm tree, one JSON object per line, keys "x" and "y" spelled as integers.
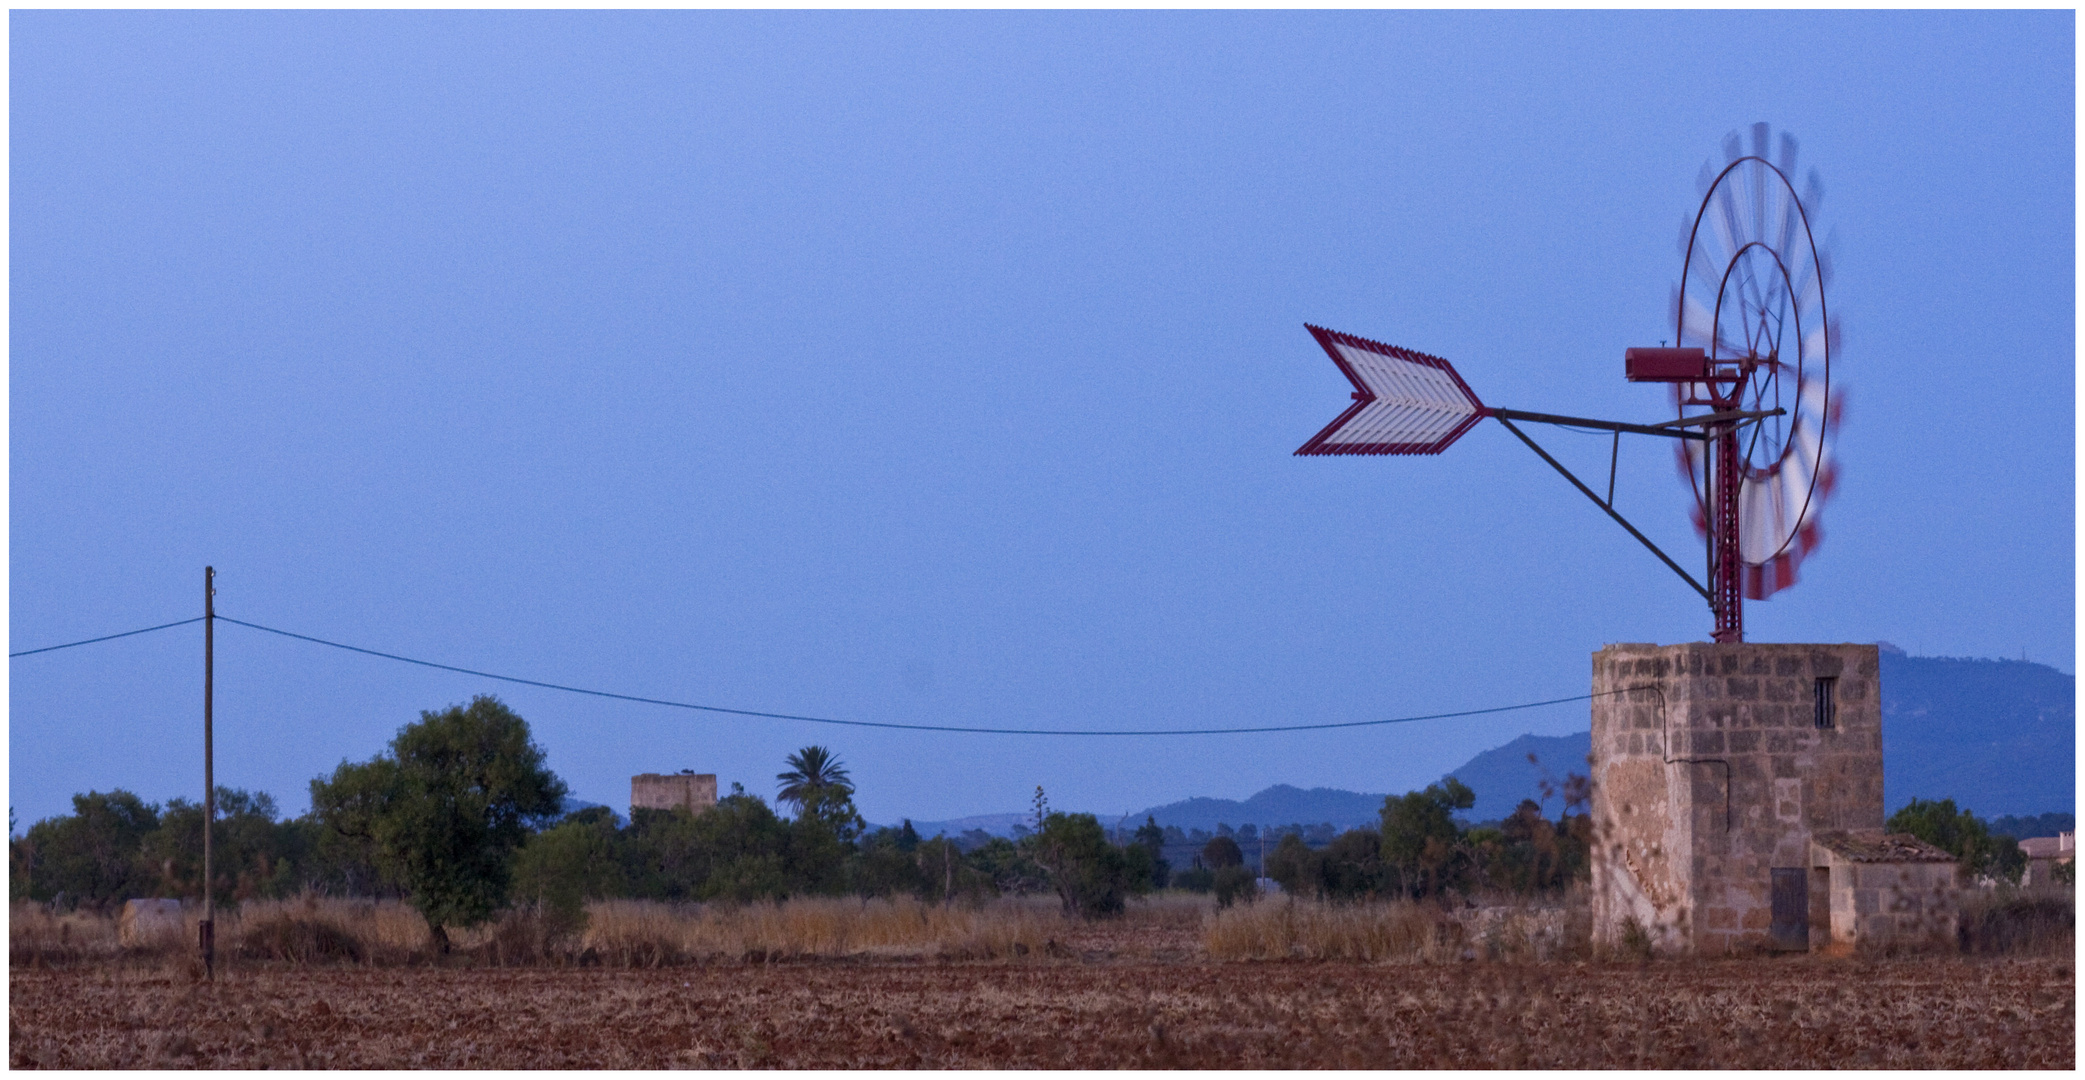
{"x": 813, "y": 771}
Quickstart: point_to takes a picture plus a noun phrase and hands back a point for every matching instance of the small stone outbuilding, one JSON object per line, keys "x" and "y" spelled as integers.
{"x": 1871, "y": 889}
{"x": 692, "y": 791}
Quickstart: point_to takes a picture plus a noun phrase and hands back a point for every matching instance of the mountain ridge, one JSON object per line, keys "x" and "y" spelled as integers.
{"x": 1997, "y": 736}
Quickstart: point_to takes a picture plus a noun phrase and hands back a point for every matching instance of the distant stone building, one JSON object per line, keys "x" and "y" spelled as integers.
{"x": 1715, "y": 767}
{"x": 663, "y": 791}
{"x": 2045, "y": 854}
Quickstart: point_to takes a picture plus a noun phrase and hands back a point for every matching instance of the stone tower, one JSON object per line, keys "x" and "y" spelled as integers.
{"x": 1713, "y": 766}
{"x": 693, "y": 791}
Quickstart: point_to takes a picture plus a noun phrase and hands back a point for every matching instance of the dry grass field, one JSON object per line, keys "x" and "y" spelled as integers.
{"x": 898, "y": 985}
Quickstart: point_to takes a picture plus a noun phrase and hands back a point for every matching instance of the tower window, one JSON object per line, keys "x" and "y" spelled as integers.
{"x": 1827, "y": 703}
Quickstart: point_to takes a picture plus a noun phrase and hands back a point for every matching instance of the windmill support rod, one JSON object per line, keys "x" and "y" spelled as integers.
{"x": 1614, "y": 458}
{"x": 1604, "y": 425}
{"x": 1501, "y": 416}
{"x": 1671, "y": 429}
{"x": 1719, "y": 418}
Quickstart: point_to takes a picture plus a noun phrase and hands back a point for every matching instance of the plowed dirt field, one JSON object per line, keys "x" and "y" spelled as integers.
{"x": 1062, "y": 1013}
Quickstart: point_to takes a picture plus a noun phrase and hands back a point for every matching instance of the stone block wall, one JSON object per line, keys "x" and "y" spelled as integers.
{"x": 662, "y": 791}
{"x": 1709, "y": 771}
{"x": 1896, "y": 903}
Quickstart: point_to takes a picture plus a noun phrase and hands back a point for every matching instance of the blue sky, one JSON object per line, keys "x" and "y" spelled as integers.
{"x": 945, "y": 367}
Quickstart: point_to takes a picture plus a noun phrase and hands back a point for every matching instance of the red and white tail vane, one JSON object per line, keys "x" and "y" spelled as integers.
{"x": 1405, "y": 402}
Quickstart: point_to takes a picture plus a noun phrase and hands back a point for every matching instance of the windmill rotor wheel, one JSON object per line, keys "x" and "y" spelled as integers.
{"x": 1751, "y": 294}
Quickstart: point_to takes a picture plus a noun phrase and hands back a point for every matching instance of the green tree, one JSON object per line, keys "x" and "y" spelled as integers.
{"x": 18, "y": 861}
{"x": 949, "y": 874}
{"x": 1351, "y": 866}
{"x": 814, "y": 774}
{"x": 1299, "y": 870}
{"x": 94, "y": 856}
{"x": 1234, "y": 883}
{"x": 827, "y": 824}
{"x": 1222, "y": 851}
{"x": 1010, "y": 867}
{"x": 566, "y": 865}
{"x": 887, "y": 864}
{"x": 1421, "y": 842}
{"x": 1092, "y": 876}
{"x": 1963, "y": 835}
{"x": 737, "y": 850}
{"x": 1153, "y": 839}
{"x": 446, "y": 807}
{"x": 252, "y": 853}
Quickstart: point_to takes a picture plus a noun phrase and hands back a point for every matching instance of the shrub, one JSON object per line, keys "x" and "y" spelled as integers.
{"x": 1421, "y": 842}
{"x": 314, "y": 929}
{"x": 1961, "y": 833}
{"x": 1636, "y": 941}
{"x": 1234, "y": 883}
{"x": 93, "y": 856}
{"x": 38, "y": 935}
{"x": 887, "y": 863}
{"x": 1009, "y": 867}
{"x": 642, "y": 933}
{"x": 1351, "y": 867}
{"x": 308, "y": 936}
{"x": 1306, "y": 930}
{"x": 1299, "y": 870}
{"x": 2009, "y": 921}
{"x": 563, "y": 867}
{"x": 1153, "y": 840}
{"x": 946, "y": 875}
{"x": 1220, "y": 852}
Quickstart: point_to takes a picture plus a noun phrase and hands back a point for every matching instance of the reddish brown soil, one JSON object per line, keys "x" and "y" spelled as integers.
{"x": 1062, "y": 1013}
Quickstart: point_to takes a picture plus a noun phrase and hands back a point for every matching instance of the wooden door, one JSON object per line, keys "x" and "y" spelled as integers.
{"x": 1791, "y": 928}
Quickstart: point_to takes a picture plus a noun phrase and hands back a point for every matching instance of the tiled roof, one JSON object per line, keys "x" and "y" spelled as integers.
{"x": 1881, "y": 847}
{"x": 2043, "y": 847}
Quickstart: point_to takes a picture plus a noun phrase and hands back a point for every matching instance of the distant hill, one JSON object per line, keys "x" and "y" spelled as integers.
{"x": 1278, "y": 805}
{"x": 2020, "y": 828}
{"x": 995, "y": 824}
{"x": 1503, "y": 776}
{"x": 1997, "y": 736}
{"x": 1500, "y": 777}
{"x": 573, "y": 804}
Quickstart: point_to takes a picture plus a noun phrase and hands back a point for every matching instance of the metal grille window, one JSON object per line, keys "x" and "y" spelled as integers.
{"x": 1827, "y": 703}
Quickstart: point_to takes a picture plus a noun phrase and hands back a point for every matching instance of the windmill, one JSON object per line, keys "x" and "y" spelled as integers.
{"x": 1749, "y": 367}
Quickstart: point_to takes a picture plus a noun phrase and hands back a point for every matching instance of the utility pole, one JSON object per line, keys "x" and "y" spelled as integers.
{"x": 207, "y": 931}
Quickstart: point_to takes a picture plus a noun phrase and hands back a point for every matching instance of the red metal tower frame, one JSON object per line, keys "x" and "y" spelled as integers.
{"x": 1726, "y": 566}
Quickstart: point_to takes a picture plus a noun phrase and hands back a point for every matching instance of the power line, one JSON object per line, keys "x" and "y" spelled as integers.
{"x": 107, "y": 637}
{"x": 817, "y": 719}
{"x": 900, "y": 727}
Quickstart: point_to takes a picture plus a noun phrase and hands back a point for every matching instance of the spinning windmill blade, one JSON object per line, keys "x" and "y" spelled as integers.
{"x": 1752, "y": 295}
